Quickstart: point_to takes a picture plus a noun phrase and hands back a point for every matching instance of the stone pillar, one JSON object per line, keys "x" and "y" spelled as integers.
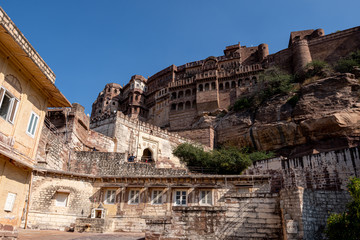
{"x": 301, "y": 55}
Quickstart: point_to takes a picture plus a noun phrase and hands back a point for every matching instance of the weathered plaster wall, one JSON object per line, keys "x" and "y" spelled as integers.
{"x": 44, "y": 214}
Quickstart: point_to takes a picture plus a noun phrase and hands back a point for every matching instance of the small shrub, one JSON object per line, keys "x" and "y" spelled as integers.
{"x": 347, "y": 64}
{"x": 241, "y": 104}
{"x": 261, "y": 155}
{"x": 346, "y": 226}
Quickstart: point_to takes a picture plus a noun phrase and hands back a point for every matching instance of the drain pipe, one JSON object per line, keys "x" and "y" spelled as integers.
{"x": 28, "y": 200}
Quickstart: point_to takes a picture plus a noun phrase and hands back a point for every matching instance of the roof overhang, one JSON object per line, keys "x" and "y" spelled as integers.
{"x": 20, "y": 51}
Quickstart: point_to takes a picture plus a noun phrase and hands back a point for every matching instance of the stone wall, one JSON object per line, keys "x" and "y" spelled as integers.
{"x": 44, "y": 212}
{"x": 327, "y": 170}
{"x": 304, "y": 211}
{"x": 134, "y": 137}
{"x": 205, "y": 136}
{"x": 251, "y": 215}
{"x": 110, "y": 164}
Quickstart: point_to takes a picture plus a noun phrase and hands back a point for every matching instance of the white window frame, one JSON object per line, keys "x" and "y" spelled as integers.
{"x": 182, "y": 197}
{"x": 14, "y": 104}
{"x": 134, "y": 197}
{"x": 10, "y": 201}
{"x": 157, "y": 197}
{"x": 206, "y": 197}
{"x": 110, "y": 196}
{"x": 62, "y": 203}
{"x": 32, "y": 125}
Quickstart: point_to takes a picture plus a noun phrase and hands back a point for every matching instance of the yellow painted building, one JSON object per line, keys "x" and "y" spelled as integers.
{"x": 26, "y": 90}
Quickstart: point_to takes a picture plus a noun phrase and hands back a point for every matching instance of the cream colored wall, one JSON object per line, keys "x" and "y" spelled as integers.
{"x": 31, "y": 99}
{"x": 14, "y": 180}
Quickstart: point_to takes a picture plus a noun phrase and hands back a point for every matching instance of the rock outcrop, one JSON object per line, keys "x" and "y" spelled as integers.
{"x": 325, "y": 117}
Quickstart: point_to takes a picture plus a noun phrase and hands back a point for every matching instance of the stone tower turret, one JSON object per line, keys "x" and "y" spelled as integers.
{"x": 301, "y": 55}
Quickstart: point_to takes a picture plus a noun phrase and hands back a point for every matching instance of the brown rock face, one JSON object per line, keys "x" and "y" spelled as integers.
{"x": 325, "y": 118}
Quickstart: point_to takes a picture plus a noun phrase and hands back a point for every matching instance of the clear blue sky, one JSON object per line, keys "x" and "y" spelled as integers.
{"x": 89, "y": 43}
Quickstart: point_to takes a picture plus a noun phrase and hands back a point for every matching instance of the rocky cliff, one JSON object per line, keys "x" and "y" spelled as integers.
{"x": 325, "y": 116}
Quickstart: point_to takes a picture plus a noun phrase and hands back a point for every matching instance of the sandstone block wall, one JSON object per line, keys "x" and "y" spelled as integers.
{"x": 304, "y": 211}
{"x": 133, "y": 137}
{"x": 44, "y": 213}
{"x": 241, "y": 213}
{"x": 110, "y": 164}
{"x": 327, "y": 170}
{"x": 205, "y": 136}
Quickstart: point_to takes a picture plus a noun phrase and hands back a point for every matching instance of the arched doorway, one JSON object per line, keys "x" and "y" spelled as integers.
{"x": 147, "y": 156}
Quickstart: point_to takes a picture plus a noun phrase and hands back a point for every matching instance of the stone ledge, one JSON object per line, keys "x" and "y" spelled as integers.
{"x": 199, "y": 208}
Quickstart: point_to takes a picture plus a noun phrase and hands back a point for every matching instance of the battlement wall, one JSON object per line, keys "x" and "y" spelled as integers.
{"x": 327, "y": 170}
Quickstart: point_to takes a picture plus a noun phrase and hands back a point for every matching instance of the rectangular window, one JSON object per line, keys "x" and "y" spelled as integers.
{"x": 61, "y": 199}
{"x": 10, "y": 200}
{"x": 8, "y": 105}
{"x": 156, "y": 197}
{"x": 134, "y": 197}
{"x": 180, "y": 198}
{"x": 110, "y": 197}
{"x": 205, "y": 197}
{"x": 33, "y": 121}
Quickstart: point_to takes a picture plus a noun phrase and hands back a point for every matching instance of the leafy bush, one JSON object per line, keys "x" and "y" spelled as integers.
{"x": 272, "y": 82}
{"x": 316, "y": 68}
{"x": 226, "y": 160}
{"x": 241, "y": 104}
{"x": 346, "y": 64}
{"x": 346, "y": 226}
{"x": 261, "y": 155}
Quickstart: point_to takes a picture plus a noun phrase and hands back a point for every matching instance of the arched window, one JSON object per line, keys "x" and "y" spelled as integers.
{"x": 213, "y": 86}
{"x": 180, "y": 106}
{"x": 233, "y": 84}
{"x": 136, "y": 97}
{"x": 187, "y": 105}
{"x": 180, "y": 94}
{"x": 173, "y": 106}
{"x": 221, "y": 86}
{"x": 239, "y": 82}
{"x": 207, "y": 86}
{"x": 147, "y": 156}
{"x": 173, "y": 95}
{"x": 187, "y": 92}
{"x": 247, "y": 82}
{"x": 227, "y": 85}
{"x": 200, "y": 88}
{"x": 194, "y": 91}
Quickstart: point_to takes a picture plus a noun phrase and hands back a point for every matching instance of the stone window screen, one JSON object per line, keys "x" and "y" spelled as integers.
{"x": 134, "y": 197}
{"x": 8, "y": 105}
{"x": 205, "y": 197}
{"x": 10, "y": 200}
{"x": 110, "y": 196}
{"x": 33, "y": 121}
{"x": 156, "y": 197}
{"x": 61, "y": 199}
{"x": 180, "y": 198}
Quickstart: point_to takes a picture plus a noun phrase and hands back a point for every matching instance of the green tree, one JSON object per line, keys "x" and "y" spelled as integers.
{"x": 346, "y": 226}
{"x": 226, "y": 160}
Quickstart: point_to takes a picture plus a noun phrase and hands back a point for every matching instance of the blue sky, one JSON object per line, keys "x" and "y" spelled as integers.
{"x": 89, "y": 43}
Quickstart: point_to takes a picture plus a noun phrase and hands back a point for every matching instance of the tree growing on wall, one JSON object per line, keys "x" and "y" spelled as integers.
{"x": 346, "y": 225}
